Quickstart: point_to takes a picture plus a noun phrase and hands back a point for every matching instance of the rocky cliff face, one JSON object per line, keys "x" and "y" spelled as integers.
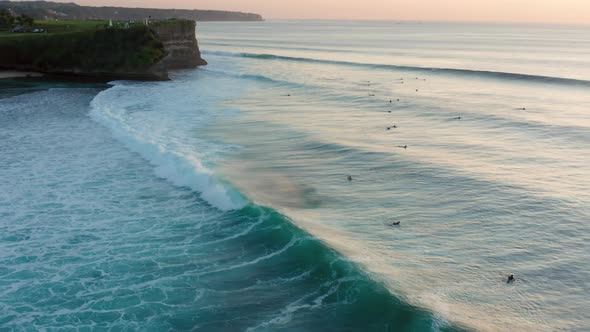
{"x": 180, "y": 43}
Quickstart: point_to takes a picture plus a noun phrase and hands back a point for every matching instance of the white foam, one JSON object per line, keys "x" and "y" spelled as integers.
{"x": 178, "y": 166}
{"x": 259, "y": 259}
{"x": 287, "y": 313}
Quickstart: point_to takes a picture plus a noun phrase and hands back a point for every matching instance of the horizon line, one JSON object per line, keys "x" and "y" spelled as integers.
{"x": 265, "y": 19}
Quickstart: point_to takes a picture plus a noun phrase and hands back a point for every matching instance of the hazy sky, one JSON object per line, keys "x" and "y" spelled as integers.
{"x": 557, "y": 11}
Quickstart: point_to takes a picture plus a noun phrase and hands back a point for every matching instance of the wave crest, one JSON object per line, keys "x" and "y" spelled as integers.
{"x": 181, "y": 169}
{"x": 456, "y": 71}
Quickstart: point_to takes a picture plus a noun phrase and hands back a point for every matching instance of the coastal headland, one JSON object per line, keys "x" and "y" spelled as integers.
{"x": 137, "y": 50}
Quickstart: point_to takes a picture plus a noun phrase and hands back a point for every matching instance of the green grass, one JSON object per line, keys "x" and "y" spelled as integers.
{"x": 61, "y": 27}
{"x": 69, "y": 26}
{"x": 82, "y": 45}
{"x": 85, "y": 45}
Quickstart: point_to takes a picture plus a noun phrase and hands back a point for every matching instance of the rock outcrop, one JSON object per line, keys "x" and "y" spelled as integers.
{"x": 180, "y": 42}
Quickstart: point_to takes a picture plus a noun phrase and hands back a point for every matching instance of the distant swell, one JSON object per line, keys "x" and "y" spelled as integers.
{"x": 469, "y": 72}
{"x": 259, "y": 78}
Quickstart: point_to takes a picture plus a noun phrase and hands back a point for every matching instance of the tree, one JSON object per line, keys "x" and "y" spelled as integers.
{"x": 6, "y": 19}
{"x": 25, "y": 21}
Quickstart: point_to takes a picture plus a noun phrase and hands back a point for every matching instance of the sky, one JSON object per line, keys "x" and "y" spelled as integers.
{"x": 520, "y": 11}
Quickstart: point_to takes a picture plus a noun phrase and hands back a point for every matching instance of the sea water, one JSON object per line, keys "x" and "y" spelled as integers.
{"x": 220, "y": 200}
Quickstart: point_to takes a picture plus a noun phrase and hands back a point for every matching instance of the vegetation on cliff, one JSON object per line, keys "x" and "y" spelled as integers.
{"x": 8, "y": 21}
{"x": 82, "y": 46}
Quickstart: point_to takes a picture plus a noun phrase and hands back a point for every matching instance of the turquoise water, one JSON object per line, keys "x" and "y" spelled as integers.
{"x": 219, "y": 201}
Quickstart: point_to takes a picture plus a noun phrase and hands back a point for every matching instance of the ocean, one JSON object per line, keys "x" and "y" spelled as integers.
{"x": 220, "y": 200}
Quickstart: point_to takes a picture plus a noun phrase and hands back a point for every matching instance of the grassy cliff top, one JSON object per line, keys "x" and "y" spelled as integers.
{"x": 81, "y": 45}
{"x": 61, "y": 27}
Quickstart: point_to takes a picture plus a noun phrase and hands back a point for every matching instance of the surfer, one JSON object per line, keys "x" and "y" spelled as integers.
{"x": 402, "y": 146}
{"x": 349, "y": 178}
{"x": 510, "y": 279}
{"x": 396, "y": 223}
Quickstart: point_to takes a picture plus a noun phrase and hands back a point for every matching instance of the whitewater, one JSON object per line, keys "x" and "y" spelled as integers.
{"x": 220, "y": 200}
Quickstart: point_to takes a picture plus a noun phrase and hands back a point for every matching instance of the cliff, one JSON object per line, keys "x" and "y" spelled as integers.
{"x": 180, "y": 43}
{"x": 137, "y": 52}
{"x": 43, "y": 10}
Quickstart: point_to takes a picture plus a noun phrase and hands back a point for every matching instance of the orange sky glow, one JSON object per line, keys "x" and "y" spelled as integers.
{"x": 520, "y": 11}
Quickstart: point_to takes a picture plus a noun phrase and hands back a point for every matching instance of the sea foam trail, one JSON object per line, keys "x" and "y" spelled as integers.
{"x": 183, "y": 170}
{"x": 456, "y": 71}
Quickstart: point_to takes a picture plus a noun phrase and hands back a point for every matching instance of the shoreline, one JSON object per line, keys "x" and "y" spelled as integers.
{"x": 4, "y": 74}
